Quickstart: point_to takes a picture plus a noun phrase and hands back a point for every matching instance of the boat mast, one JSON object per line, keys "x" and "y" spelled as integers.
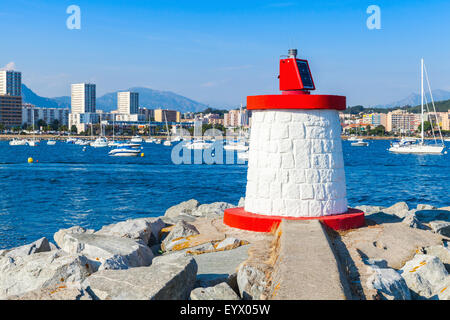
{"x": 421, "y": 93}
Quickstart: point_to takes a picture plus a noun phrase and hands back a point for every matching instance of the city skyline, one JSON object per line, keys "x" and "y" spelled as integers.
{"x": 219, "y": 53}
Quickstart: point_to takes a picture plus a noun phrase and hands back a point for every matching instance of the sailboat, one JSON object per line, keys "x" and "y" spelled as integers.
{"x": 101, "y": 141}
{"x": 421, "y": 147}
{"x": 167, "y": 142}
{"x": 238, "y": 145}
{"x": 33, "y": 142}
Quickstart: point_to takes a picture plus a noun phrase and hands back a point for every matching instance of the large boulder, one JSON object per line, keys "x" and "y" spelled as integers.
{"x": 400, "y": 209}
{"x": 388, "y": 283}
{"x": 441, "y": 227}
{"x": 107, "y": 252}
{"x": 425, "y": 207}
{"x": 41, "y": 245}
{"x": 425, "y": 276}
{"x": 411, "y": 221}
{"x": 59, "y": 235}
{"x": 184, "y": 209}
{"x": 59, "y": 292}
{"x": 212, "y": 210}
{"x": 41, "y": 270}
{"x": 370, "y": 209}
{"x": 443, "y": 253}
{"x": 169, "y": 277}
{"x": 222, "y": 291}
{"x": 144, "y": 229}
{"x": 178, "y": 236}
{"x": 251, "y": 282}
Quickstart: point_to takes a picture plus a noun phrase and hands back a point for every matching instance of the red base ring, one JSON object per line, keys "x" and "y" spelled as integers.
{"x": 296, "y": 101}
{"x": 241, "y": 219}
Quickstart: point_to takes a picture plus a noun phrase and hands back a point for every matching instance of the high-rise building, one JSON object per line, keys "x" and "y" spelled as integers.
{"x": 402, "y": 121}
{"x": 128, "y": 102}
{"x": 10, "y": 83}
{"x": 83, "y": 98}
{"x": 10, "y": 98}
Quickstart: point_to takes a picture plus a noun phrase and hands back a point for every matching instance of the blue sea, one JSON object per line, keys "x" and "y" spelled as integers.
{"x": 66, "y": 186}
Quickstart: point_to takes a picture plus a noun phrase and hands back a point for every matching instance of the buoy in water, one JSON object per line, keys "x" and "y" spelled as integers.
{"x": 30, "y": 160}
{"x": 142, "y": 154}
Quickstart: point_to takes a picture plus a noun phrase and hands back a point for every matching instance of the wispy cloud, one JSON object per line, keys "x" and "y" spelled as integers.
{"x": 9, "y": 66}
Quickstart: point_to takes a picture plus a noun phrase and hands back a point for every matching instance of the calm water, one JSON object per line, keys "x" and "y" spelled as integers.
{"x": 70, "y": 187}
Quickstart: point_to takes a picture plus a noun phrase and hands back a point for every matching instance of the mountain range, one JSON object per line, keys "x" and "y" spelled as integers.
{"x": 414, "y": 99}
{"x": 148, "y": 98}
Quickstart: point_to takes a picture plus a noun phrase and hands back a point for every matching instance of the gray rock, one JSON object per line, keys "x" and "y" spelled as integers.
{"x": 442, "y": 252}
{"x": 441, "y": 227}
{"x": 60, "y": 292}
{"x": 222, "y": 291}
{"x": 41, "y": 245}
{"x": 41, "y": 270}
{"x": 370, "y": 209}
{"x": 178, "y": 234}
{"x": 425, "y": 276}
{"x": 228, "y": 243}
{"x": 220, "y": 266}
{"x": 388, "y": 283}
{"x": 411, "y": 221}
{"x": 110, "y": 252}
{"x": 425, "y": 207}
{"x": 241, "y": 202}
{"x": 168, "y": 278}
{"x": 183, "y": 208}
{"x": 251, "y": 282}
{"x": 145, "y": 229}
{"x": 400, "y": 209}
{"x": 212, "y": 210}
{"x": 58, "y": 236}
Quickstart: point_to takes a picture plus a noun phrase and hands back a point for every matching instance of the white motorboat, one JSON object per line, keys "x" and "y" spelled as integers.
{"x": 71, "y": 140}
{"x": 114, "y": 144}
{"x": 352, "y": 138}
{"x": 359, "y": 143}
{"x": 124, "y": 152}
{"x": 420, "y": 147}
{"x": 17, "y": 142}
{"x": 137, "y": 139}
{"x": 51, "y": 142}
{"x": 149, "y": 140}
{"x": 33, "y": 142}
{"x": 167, "y": 143}
{"x": 198, "y": 145}
{"x": 129, "y": 145}
{"x": 158, "y": 141}
{"x": 448, "y": 139}
{"x": 100, "y": 142}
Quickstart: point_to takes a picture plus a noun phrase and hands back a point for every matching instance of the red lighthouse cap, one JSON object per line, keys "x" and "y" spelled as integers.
{"x": 295, "y": 83}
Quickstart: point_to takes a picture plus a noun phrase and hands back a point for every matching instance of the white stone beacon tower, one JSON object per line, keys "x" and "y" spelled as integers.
{"x": 295, "y": 166}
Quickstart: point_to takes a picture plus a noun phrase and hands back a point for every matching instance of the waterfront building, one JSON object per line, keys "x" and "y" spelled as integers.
{"x": 236, "y": 118}
{"x": 10, "y": 83}
{"x": 147, "y": 113}
{"x": 83, "y": 98}
{"x": 127, "y": 102}
{"x": 10, "y": 111}
{"x": 82, "y": 120}
{"x": 161, "y": 115}
{"x": 46, "y": 114}
{"x": 10, "y": 98}
{"x": 375, "y": 119}
{"x": 402, "y": 121}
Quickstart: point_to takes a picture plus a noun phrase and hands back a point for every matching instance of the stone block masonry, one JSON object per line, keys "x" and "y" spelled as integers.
{"x": 296, "y": 165}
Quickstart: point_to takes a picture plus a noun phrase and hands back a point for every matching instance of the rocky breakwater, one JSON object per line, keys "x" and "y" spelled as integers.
{"x": 185, "y": 254}
{"x": 402, "y": 253}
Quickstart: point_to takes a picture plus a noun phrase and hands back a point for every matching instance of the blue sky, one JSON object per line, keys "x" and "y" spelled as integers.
{"x": 218, "y": 52}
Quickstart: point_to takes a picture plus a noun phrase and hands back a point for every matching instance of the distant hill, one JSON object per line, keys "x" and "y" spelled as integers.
{"x": 148, "y": 98}
{"x": 29, "y": 96}
{"x": 441, "y": 106}
{"x": 414, "y": 99}
{"x": 153, "y": 99}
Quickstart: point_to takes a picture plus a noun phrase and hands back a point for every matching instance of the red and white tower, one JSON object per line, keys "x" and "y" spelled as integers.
{"x": 295, "y": 166}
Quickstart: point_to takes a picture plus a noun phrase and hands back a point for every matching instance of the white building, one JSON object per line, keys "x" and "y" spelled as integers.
{"x": 127, "y": 102}
{"x": 10, "y": 83}
{"x": 47, "y": 114}
{"x": 83, "y": 120}
{"x": 83, "y": 98}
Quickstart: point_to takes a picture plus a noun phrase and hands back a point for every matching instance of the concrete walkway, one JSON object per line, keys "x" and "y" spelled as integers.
{"x": 307, "y": 268}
